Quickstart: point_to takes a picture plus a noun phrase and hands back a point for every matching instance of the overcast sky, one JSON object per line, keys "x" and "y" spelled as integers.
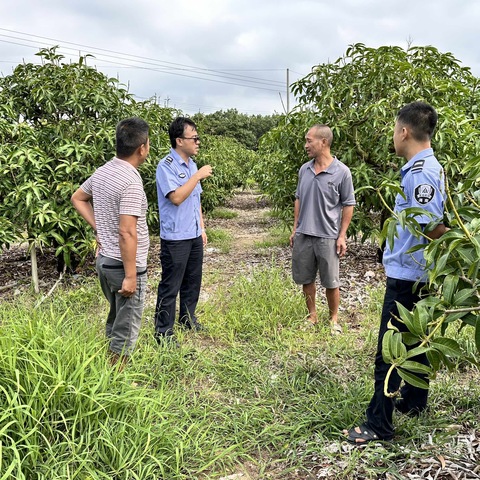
{"x": 208, "y": 55}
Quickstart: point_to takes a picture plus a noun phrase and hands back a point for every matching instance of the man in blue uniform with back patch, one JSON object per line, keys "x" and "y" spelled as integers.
{"x": 423, "y": 185}
{"x": 182, "y": 231}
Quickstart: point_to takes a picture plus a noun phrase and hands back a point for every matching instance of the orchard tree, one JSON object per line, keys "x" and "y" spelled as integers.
{"x": 358, "y": 96}
{"x": 9, "y": 231}
{"x": 57, "y": 126}
{"x": 246, "y": 129}
{"x": 231, "y": 162}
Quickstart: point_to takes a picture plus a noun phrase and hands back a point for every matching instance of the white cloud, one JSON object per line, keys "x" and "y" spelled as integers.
{"x": 254, "y": 39}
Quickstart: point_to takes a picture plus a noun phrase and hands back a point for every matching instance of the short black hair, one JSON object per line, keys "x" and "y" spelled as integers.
{"x": 421, "y": 118}
{"x": 131, "y": 133}
{"x": 177, "y": 127}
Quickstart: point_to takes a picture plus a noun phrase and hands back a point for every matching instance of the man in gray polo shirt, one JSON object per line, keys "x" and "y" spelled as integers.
{"x": 324, "y": 202}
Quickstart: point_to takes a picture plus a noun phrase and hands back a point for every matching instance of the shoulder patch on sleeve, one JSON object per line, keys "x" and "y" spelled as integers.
{"x": 169, "y": 160}
{"x": 424, "y": 193}
{"x": 418, "y": 166}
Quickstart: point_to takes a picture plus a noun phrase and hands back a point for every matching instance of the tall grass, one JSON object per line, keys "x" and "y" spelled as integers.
{"x": 260, "y": 393}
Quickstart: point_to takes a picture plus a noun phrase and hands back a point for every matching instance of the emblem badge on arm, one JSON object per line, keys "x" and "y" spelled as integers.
{"x": 424, "y": 193}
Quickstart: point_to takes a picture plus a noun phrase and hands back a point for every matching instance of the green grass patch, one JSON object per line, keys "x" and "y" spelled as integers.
{"x": 278, "y": 236}
{"x": 220, "y": 239}
{"x": 223, "y": 213}
{"x": 259, "y": 393}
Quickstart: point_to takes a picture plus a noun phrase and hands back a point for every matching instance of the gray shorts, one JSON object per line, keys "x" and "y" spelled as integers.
{"x": 314, "y": 254}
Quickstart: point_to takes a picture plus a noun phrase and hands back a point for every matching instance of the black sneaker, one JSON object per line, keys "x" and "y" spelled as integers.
{"x": 195, "y": 326}
{"x": 168, "y": 341}
{"x": 198, "y": 327}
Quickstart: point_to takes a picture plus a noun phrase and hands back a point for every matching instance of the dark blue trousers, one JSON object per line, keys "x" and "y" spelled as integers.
{"x": 380, "y": 411}
{"x": 181, "y": 262}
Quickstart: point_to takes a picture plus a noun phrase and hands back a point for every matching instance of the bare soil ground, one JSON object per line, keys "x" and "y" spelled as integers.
{"x": 359, "y": 268}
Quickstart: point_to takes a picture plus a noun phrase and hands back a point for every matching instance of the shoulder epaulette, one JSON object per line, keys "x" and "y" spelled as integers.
{"x": 169, "y": 159}
{"x": 418, "y": 166}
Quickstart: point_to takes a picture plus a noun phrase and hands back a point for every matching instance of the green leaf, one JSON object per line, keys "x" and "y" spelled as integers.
{"x": 397, "y": 348}
{"x": 441, "y": 262}
{"x": 447, "y": 346}
{"x": 417, "y": 351}
{"x": 57, "y": 237}
{"x": 449, "y": 286}
{"x": 416, "y": 367}
{"x": 477, "y": 335}
{"x": 412, "y": 379}
{"x": 434, "y": 358}
{"x": 464, "y": 296}
{"x": 407, "y": 317}
{"x": 429, "y": 302}
{"x": 409, "y": 338}
{"x": 452, "y": 317}
{"x": 421, "y": 318}
{"x": 470, "y": 319}
{"x": 386, "y": 350}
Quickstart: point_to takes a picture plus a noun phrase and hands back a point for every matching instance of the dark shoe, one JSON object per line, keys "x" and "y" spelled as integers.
{"x": 198, "y": 327}
{"x": 117, "y": 360}
{"x": 168, "y": 341}
{"x": 363, "y": 437}
{"x": 195, "y": 326}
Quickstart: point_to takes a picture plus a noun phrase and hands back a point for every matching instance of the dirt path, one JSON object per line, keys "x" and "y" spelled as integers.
{"x": 250, "y": 226}
{"x": 359, "y": 268}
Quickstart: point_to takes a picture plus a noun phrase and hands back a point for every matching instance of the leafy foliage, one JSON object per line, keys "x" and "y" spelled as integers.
{"x": 61, "y": 126}
{"x": 246, "y": 129}
{"x": 57, "y": 126}
{"x": 231, "y": 163}
{"x": 358, "y": 96}
{"x": 451, "y": 304}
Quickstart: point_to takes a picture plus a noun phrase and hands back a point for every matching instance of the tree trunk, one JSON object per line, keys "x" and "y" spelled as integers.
{"x": 33, "y": 257}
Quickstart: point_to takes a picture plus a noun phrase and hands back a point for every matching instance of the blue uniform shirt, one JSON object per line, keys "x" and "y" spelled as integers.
{"x": 180, "y": 222}
{"x": 423, "y": 184}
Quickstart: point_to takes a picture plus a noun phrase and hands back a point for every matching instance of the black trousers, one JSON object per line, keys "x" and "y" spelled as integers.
{"x": 181, "y": 262}
{"x": 380, "y": 411}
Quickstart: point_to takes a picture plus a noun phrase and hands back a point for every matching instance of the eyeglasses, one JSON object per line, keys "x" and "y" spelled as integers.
{"x": 196, "y": 138}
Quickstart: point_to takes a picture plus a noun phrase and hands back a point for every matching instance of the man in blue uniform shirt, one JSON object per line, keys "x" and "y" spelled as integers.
{"x": 422, "y": 182}
{"x": 182, "y": 231}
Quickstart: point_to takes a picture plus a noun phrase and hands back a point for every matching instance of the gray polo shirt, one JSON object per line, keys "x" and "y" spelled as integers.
{"x": 322, "y": 197}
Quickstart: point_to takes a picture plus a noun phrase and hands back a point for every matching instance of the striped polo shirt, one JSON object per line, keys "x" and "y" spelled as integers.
{"x": 117, "y": 189}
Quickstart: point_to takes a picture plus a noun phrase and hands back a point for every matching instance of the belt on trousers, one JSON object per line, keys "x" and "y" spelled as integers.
{"x": 120, "y": 267}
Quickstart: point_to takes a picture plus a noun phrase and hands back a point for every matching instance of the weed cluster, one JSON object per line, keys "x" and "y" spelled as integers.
{"x": 259, "y": 393}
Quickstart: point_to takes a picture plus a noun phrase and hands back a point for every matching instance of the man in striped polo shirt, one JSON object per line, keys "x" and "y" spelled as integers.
{"x": 114, "y": 204}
